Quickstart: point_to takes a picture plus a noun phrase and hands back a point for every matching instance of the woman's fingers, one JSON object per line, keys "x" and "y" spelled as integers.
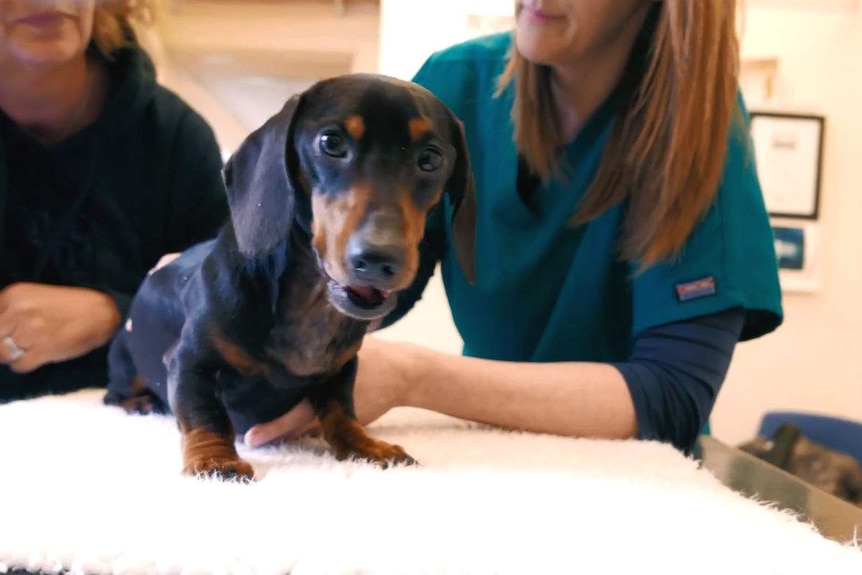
{"x": 23, "y": 332}
{"x": 31, "y": 359}
{"x": 293, "y": 423}
{"x": 15, "y": 339}
{"x": 20, "y": 352}
{"x": 10, "y": 350}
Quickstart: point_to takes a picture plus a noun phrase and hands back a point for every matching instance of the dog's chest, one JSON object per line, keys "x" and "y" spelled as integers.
{"x": 312, "y": 337}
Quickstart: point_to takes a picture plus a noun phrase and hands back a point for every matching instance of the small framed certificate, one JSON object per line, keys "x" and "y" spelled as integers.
{"x": 789, "y": 150}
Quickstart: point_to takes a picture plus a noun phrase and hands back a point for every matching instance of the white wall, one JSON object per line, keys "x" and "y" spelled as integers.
{"x": 812, "y": 361}
{"x": 405, "y": 43}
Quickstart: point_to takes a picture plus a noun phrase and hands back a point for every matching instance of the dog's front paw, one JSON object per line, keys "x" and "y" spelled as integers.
{"x": 141, "y": 405}
{"x": 231, "y": 469}
{"x": 207, "y": 454}
{"x": 348, "y": 439}
{"x": 379, "y": 452}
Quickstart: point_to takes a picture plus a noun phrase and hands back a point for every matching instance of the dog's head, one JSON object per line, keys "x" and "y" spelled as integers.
{"x": 371, "y": 156}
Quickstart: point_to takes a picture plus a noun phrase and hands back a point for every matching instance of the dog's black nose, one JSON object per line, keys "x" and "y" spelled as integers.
{"x": 375, "y": 264}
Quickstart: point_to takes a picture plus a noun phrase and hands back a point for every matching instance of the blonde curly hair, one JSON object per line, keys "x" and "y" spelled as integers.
{"x": 113, "y": 21}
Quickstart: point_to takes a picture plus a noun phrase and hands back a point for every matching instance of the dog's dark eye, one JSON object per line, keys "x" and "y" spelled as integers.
{"x": 333, "y": 145}
{"x": 430, "y": 159}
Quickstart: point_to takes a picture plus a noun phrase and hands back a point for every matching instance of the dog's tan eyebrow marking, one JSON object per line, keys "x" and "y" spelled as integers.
{"x": 419, "y": 127}
{"x": 355, "y": 126}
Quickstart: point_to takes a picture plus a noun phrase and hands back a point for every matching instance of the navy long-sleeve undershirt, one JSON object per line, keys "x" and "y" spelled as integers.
{"x": 675, "y": 372}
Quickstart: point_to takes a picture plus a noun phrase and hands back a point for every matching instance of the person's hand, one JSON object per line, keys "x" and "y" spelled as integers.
{"x": 42, "y": 324}
{"x": 381, "y": 382}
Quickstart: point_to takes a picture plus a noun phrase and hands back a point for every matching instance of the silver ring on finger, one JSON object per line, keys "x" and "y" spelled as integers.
{"x": 15, "y": 352}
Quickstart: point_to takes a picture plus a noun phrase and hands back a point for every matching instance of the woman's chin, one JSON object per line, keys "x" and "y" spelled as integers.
{"x": 535, "y": 45}
{"x": 46, "y": 51}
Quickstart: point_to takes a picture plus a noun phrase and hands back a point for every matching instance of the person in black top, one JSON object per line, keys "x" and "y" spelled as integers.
{"x": 102, "y": 171}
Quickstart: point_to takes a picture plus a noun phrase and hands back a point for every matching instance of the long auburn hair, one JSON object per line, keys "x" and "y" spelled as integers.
{"x": 667, "y": 151}
{"x": 113, "y": 23}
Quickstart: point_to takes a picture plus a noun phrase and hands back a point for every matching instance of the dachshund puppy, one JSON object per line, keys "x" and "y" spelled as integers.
{"x": 328, "y": 202}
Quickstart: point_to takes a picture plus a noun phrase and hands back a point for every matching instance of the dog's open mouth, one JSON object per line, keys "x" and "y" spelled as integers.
{"x": 361, "y": 301}
{"x": 366, "y": 296}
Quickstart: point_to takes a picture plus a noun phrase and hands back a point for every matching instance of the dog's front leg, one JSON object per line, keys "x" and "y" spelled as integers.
{"x": 207, "y": 433}
{"x": 332, "y": 400}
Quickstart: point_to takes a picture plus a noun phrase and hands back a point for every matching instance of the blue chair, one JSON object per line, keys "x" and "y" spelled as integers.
{"x": 833, "y": 432}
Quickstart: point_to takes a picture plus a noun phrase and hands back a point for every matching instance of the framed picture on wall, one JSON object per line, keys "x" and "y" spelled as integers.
{"x": 789, "y": 153}
{"x": 797, "y": 246}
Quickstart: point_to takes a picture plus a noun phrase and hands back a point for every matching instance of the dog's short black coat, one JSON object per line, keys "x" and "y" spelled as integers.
{"x": 328, "y": 202}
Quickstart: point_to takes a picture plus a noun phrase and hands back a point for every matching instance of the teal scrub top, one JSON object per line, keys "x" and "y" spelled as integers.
{"x": 547, "y": 291}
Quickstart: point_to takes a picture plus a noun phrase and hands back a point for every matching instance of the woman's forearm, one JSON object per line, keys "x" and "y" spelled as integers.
{"x": 571, "y": 398}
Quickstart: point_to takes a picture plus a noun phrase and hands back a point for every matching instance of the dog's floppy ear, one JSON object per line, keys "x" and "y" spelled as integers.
{"x": 260, "y": 187}
{"x": 462, "y": 195}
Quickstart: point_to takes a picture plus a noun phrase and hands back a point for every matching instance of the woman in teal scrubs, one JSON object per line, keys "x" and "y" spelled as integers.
{"x": 622, "y": 244}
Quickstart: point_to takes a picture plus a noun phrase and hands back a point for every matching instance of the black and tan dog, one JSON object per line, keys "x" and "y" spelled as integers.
{"x": 328, "y": 203}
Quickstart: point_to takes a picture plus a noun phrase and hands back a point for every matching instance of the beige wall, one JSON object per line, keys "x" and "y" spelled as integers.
{"x": 267, "y": 49}
{"x": 811, "y": 362}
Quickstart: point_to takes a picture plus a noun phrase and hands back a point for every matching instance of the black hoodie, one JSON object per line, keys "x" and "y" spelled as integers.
{"x": 100, "y": 208}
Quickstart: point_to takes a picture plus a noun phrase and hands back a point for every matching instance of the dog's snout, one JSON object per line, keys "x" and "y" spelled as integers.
{"x": 376, "y": 264}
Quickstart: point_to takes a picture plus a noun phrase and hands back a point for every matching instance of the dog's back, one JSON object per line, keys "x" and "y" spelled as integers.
{"x": 140, "y": 353}
{"x": 156, "y": 317}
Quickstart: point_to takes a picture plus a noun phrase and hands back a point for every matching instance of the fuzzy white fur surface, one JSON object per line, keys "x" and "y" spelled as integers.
{"x": 87, "y": 488}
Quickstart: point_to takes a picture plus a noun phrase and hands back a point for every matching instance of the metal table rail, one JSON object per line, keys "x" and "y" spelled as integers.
{"x": 835, "y": 518}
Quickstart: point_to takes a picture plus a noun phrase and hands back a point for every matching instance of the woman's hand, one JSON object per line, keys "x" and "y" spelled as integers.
{"x": 50, "y": 324}
{"x": 381, "y": 383}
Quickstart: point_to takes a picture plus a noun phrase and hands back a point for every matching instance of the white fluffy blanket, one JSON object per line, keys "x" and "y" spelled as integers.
{"x": 88, "y": 488}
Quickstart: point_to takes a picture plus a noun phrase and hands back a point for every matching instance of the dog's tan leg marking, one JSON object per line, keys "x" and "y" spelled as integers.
{"x": 210, "y": 454}
{"x": 349, "y": 439}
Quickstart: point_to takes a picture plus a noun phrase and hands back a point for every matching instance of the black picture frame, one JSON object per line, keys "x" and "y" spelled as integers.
{"x": 789, "y": 151}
